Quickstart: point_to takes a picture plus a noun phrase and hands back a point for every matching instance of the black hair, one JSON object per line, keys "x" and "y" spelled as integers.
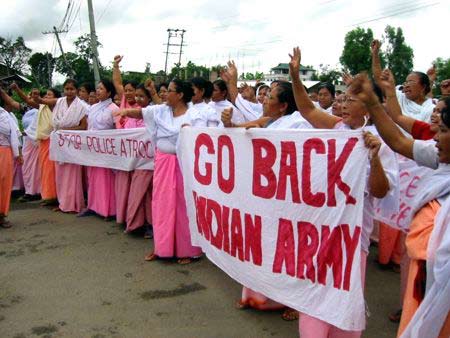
{"x": 132, "y": 83}
{"x": 71, "y": 81}
{"x": 55, "y": 92}
{"x": 424, "y": 81}
{"x": 286, "y": 95}
{"x": 162, "y": 84}
{"x": 202, "y": 84}
{"x": 445, "y": 112}
{"x": 329, "y": 86}
{"x": 109, "y": 87}
{"x": 42, "y": 93}
{"x": 142, "y": 87}
{"x": 88, "y": 86}
{"x": 185, "y": 88}
{"x": 222, "y": 85}
{"x": 262, "y": 85}
{"x": 208, "y": 90}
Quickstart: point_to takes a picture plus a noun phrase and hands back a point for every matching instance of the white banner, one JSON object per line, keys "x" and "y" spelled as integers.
{"x": 281, "y": 213}
{"x": 122, "y": 149}
{"x": 410, "y": 177}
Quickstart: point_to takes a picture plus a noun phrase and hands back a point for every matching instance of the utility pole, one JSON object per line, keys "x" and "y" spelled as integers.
{"x": 93, "y": 42}
{"x": 49, "y": 70}
{"x": 174, "y": 33}
{"x": 56, "y": 32}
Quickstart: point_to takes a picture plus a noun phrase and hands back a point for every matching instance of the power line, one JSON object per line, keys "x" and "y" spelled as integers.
{"x": 77, "y": 15}
{"x": 104, "y": 11}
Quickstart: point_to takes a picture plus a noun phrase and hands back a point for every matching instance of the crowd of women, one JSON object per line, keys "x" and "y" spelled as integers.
{"x": 403, "y": 120}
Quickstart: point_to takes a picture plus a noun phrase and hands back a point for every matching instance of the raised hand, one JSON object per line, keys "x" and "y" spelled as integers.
{"x": 232, "y": 70}
{"x": 387, "y": 81}
{"x": 226, "y": 116}
{"x": 431, "y": 72}
{"x": 347, "y": 78}
{"x": 13, "y": 86}
{"x": 375, "y": 46}
{"x": 150, "y": 85}
{"x": 296, "y": 58}
{"x": 373, "y": 143}
{"x": 224, "y": 75}
{"x": 117, "y": 60}
{"x": 361, "y": 87}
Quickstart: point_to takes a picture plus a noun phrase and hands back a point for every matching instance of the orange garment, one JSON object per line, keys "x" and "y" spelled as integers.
{"x": 6, "y": 179}
{"x": 390, "y": 244}
{"x": 416, "y": 245}
{"x": 48, "y": 185}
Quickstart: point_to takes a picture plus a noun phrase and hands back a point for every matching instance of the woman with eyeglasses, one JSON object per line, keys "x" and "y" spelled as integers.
{"x": 426, "y": 303}
{"x": 170, "y": 221}
{"x": 413, "y": 98}
{"x": 382, "y": 180}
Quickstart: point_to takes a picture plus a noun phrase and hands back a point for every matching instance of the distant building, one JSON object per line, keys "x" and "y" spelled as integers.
{"x": 281, "y": 72}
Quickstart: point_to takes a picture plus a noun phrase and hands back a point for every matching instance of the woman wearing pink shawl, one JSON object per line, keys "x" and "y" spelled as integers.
{"x": 101, "y": 192}
{"x": 127, "y": 93}
{"x": 69, "y": 113}
{"x": 170, "y": 222}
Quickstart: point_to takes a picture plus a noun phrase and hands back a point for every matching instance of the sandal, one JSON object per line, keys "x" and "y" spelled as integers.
{"x": 240, "y": 305}
{"x": 5, "y": 224}
{"x": 395, "y": 316}
{"x": 150, "y": 257}
{"x": 289, "y": 314}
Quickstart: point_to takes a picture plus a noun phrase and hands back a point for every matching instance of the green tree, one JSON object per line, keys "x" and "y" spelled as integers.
{"x": 42, "y": 66}
{"x": 356, "y": 55}
{"x": 189, "y": 71}
{"x": 328, "y": 74}
{"x": 442, "y": 73}
{"x": 14, "y": 54}
{"x": 398, "y": 55}
{"x": 259, "y": 76}
{"x": 249, "y": 76}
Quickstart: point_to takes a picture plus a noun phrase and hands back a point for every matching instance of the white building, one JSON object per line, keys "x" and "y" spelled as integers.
{"x": 281, "y": 72}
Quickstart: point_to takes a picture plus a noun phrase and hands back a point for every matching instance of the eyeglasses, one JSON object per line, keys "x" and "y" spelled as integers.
{"x": 445, "y": 84}
{"x": 171, "y": 90}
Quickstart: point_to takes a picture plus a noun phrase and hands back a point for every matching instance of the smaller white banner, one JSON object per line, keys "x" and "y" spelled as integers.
{"x": 122, "y": 149}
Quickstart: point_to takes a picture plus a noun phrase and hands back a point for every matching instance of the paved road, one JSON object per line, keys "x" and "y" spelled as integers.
{"x": 61, "y": 276}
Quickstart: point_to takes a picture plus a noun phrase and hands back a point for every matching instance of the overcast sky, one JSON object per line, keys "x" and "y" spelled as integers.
{"x": 258, "y": 34}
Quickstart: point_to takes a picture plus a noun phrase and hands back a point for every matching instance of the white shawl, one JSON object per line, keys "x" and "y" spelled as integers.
{"x": 65, "y": 116}
{"x": 291, "y": 121}
{"x": 212, "y": 117}
{"x": 100, "y": 115}
{"x": 250, "y": 111}
{"x": 10, "y": 130}
{"x": 220, "y": 106}
{"x": 432, "y": 312}
{"x": 414, "y": 110}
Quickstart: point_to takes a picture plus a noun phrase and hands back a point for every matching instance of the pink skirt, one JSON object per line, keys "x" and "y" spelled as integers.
{"x": 101, "y": 193}
{"x": 122, "y": 188}
{"x": 69, "y": 187}
{"x": 6, "y": 179}
{"x": 311, "y": 327}
{"x": 170, "y": 221}
{"x": 18, "y": 178}
{"x": 139, "y": 209}
{"x": 31, "y": 170}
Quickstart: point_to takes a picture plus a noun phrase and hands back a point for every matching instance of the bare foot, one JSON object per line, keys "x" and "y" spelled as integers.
{"x": 290, "y": 314}
{"x": 241, "y": 305}
{"x": 184, "y": 261}
{"x": 150, "y": 257}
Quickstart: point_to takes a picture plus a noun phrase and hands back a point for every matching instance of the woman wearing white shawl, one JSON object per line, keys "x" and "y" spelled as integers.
{"x": 69, "y": 113}
{"x": 425, "y": 310}
{"x": 382, "y": 179}
{"x": 9, "y": 149}
{"x": 413, "y": 98}
{"x": 203, "y": 89}
{"x": 170, "y": 222}
{"x": 219, "y": 102}
{"x": 101, "y": 188}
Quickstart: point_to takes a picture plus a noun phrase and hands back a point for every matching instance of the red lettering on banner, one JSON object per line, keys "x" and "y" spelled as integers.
{"x": 200, "y": 208}
{"x": 288, "y": 153}
{"x": 335, "y": 167}
{"x": 410, "y": 193}
{"x": 226, "y": 229}
{"x": 285, "y": 251}
{"x": 351, "y": 243}
{"x": 203, "y": 140}
{"x": 226, "y": 185}
{"x": 236, "y": 235}
{"x": 308, "y": 242}
{"x": 330, "y": 254}
{"x": 253, "y": 239}
{"x": 61, "y": 139}
{"x": 262, "y": 167}
{"x": 214, "y": 207}
{"x": 317, "y": 199}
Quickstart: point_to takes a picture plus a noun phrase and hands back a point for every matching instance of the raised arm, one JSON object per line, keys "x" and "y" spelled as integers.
{"x": 362, "y": 88}
{"x": 387, "y": 83}
{"x": 29, "y": 101}
{"x": 378, "y": 182}
{"x": 135, "y": 113}
{"x": 230, "y": 76}
{"x": 315, "y": 116}
{"x": 51, "y": 102}
{"x": 150, "y": 86}
{"x": 376, "y": 62}
{"x": 431, "y": 72}
{"x": 81, "y": 126}
{"x": 228, "y": 113}
{"x": 116, "y": 76}
{"x": 9, "y": 100}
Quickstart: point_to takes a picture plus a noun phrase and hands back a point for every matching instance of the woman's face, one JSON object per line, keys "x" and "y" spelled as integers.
{"x": 117, "y": 100}
{"x": 163, "y": 93}
{"x": 413, "y": 89}
{"x": 173, "y": 98}
{"x": 93, "y": 98}
{"x": 198, "y": 94}
{"x": 353, "y": 112}
{"x": 83, "y": 94}
{"x": 272, "y": 106}
{"x": 325, "y": 98}
{"x": 141, "y": 98}
{"x": 217, "y": 94}
{"x": 445, "y": 87}
{"x": 129, "y": 92}
{"x": 102, "y": 93}
{"x": 337, "y": 105}
{"x": 442, "y": 139}
{"x": 436, "y": 116}
{"x": 262, "y": 93}
{"x": 70, "y": 91}
{"x": 49, "y": 95}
